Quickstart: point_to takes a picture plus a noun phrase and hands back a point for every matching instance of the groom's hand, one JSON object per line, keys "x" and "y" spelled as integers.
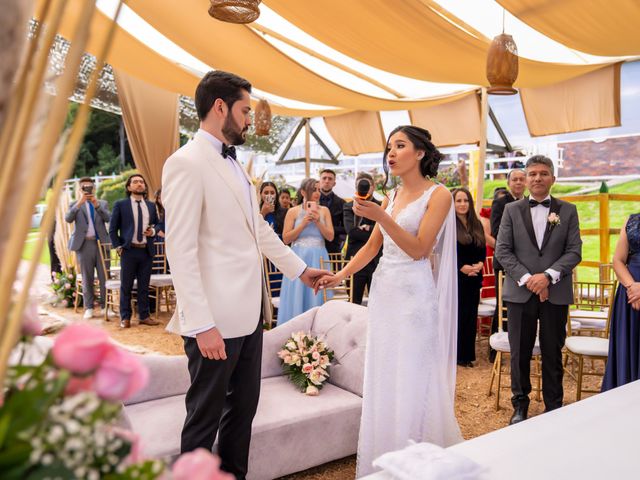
{"x": 310, "y": 275}
{"x": 211, "y": 344}
{"x": 537, "y": 283}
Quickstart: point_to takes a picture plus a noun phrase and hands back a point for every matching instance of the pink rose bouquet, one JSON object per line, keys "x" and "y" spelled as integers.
{"x": 306, "y": 361}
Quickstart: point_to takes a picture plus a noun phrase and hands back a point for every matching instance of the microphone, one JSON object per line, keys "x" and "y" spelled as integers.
{"x": 362, "y": 188}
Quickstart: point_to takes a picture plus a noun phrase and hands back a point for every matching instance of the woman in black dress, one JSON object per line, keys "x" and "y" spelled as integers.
{"x": 471, "y": 256}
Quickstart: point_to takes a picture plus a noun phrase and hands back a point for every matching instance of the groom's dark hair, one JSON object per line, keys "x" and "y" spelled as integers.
{"x": 219, "y": 84}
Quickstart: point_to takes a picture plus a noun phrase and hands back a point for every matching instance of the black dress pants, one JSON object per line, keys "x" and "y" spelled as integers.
{"x": 523, "y": 323}
{"x": 223, "y": 399}
{"x": 135, "y": 264}
{"x": 362, "y": 279}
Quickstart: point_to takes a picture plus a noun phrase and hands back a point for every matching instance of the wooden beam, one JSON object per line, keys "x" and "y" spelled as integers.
{"x": 307, "y": 148}
{"x": 482, "y": 157}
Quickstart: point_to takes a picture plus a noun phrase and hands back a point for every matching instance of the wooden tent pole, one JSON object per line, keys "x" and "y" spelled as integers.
{"x": 307, "y": 147}
{"x": 482, "y": 156}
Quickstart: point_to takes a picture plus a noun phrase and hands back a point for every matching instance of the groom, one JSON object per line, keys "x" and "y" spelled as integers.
{"x": 215, "y": 240}
{"x": 538, "y": 246}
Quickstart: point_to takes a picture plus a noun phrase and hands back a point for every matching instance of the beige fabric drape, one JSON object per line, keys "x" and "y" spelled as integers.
{"x": 453, "y": 123}
{"x": 357, "y": 132}
{"x": 584, "y": 103}
{"x": 151, "y": 119}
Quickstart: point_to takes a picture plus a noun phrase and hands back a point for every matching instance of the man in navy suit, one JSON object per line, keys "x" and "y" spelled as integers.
{"x": 131, "y": 231}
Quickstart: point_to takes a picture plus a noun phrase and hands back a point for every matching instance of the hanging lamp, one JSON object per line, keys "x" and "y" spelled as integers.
{"x": 262, "y": 118}
{"x": 235, "y": 11}
{"x": 502, "y": 64}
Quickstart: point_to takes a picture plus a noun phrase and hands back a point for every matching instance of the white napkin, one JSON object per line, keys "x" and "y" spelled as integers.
{"x": 426, "y": 461}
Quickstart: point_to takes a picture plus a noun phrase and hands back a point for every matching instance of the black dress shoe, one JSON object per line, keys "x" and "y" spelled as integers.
{"x": 519, "y": 414}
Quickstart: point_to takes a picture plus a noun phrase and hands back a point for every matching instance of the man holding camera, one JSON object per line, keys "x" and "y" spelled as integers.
{"x": 359, "y": 230}
{"x": 89, "y": 216}
{"x": 132, "y": 231}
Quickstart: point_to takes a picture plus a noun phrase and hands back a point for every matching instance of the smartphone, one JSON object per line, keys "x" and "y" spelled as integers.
{"x": 271, "y": 199}
{"x": 312, "y": 206}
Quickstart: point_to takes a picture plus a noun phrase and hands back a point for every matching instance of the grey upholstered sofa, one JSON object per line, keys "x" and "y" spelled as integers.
{"x": 291, "y": 431}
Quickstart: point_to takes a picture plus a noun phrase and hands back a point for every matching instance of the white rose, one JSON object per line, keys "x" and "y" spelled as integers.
{"x": 312, "y": 391}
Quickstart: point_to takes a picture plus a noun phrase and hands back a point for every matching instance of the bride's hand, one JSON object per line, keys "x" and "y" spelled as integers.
{"x": 368, "y": 209}
{"x": 327, "y": 281}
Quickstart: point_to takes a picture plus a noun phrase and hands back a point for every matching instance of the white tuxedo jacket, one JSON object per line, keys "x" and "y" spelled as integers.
{"x": 213, "y": 249}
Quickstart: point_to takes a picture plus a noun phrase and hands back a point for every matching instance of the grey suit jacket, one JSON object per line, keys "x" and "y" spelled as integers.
{"x": 80, "y": 216}
{"x": 518, "y": 252}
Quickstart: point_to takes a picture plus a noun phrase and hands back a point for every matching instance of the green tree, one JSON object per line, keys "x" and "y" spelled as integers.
{"x": 280, "y": 129}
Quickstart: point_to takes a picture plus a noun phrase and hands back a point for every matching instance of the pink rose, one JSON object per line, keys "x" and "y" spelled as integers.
{"x": 79, "y": 384}
{"x": 199, "y": 465}
{"x": 315, "y": 355}
{"x": 120, "y": 376}
{"x": 65, "y": 303}
{"x": 312, "y": 391}
{"x": 307, "y": 368}
{"x": 31, "y": 325}
{"x": 80, "y": 348}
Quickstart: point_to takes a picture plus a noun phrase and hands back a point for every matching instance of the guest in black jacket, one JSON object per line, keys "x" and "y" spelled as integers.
{"x": 270, "y": 208}
{"x": 132, "y": 230}
{"x": 335, "y": 205}
{"x": 471, "y": 256}
{"x": 359, "y": 230}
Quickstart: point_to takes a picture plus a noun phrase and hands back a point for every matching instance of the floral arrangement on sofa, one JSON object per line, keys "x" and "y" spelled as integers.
{"x": 306, "y": 361}
{"x": 58, "y": 418}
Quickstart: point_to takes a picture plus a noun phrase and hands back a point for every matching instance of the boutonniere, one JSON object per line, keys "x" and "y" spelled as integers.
{"x": 553, "y": 219}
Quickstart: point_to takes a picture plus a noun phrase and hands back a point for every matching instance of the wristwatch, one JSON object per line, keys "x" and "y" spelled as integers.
{"x": 549, "y": 277}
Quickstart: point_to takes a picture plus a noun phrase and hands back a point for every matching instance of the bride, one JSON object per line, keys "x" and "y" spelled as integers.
{"x": 410, "y": 366}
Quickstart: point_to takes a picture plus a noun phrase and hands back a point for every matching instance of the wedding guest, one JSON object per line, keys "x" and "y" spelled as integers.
{"x": 306, "y": 227}
{"x": 359, "y": 230}
{"x": 131, "y": 230}
{"x": 516, "y": 186}
{"x": 335, "y": 205}
{"x": 89, "y": 217}
{"x": 471, "y": 249}
{"x": 623, "y": 364}
{"x": 285, "y": 199}
{"x": 538, "y": 246}
{"x": 159, "y": 227}
{"x": 270, "y": 207}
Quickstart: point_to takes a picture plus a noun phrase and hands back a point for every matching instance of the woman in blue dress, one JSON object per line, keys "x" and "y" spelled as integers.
{"x": 623, "y": 364}
{"x": 306, "y": 227}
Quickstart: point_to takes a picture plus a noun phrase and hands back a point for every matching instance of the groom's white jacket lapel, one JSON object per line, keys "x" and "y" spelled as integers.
{"x": 215, "y": 245}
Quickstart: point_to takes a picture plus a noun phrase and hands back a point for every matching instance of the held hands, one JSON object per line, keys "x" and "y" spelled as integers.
{"x": 211, "y": 344}
{"x": 328, "y": 280}
{"x": 368, "y": 209}
{"x": 537, "y": 283}
{"x": 310, "y": 276}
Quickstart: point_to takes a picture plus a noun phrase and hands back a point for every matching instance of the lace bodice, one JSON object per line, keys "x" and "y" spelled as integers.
{"x": 633, "y": 234}
{"x": 409, "y": 219}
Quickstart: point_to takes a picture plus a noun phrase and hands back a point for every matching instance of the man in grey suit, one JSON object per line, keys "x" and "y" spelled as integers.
{"x": 538, "y": 246}
{"x": 89, "y": 216}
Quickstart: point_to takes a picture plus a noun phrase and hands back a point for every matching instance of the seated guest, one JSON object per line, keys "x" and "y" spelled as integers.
{"x": 471, "y": 255}
{"x": 623, "y": 365}
{"x": 285, "y": 199}
{"x": 306, "y": 227}
{"x": 131, "y": 230}
{"x": 359, "y": 230}
{"x": 270, "y": 207}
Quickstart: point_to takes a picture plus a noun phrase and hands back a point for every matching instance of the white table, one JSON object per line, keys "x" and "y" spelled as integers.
{"x": 595, "y": 438}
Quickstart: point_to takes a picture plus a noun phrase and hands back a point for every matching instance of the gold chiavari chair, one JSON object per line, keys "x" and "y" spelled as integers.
{"x": 590, "y": 310}
{"x": 594, "y": 348}
{"x": 110, "y": 262}
{"x": 161, "y": 283}
{"x": 339, "y": 292}
{"x": 500, "y": 343}
{"x": 273, "y": 280}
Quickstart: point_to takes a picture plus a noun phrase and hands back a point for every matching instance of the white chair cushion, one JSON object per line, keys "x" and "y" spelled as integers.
{"x": 275, "y": 301}
{"x": 590, "y": 319}
{"x": 592, "y": 346}
{"x": 575, "y": 325}
{"x": 485, "y": 310}
{"x": 161, "y": 280}
{"x": 500, "y": 342}
{"x": 489, "y": 301}
{"x": 112, "y": 284}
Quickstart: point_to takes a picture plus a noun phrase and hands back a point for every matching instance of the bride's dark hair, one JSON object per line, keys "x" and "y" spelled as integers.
{"x": 421, "y": 140}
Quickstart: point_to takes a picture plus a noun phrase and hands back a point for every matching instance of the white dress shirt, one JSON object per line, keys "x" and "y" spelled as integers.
{"x": 145, "y": 219}
{"x": 91, "y": 229}
{"x": 540, "y": 218}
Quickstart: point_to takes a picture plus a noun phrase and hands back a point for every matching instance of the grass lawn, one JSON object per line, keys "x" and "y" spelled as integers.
{"x": 491, "y": 185}
{"x": 30, "y": 245}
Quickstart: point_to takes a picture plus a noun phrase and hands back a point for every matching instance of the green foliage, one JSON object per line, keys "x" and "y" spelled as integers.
{"x": 557, "y": 189}
{"x": 64, "y": 286}
{"x": 280, "y": 129}
{"x": 113, "y": 189}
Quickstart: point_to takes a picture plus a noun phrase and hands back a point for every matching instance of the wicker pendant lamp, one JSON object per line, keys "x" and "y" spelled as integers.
{"x": 235, "y": 11}
{"x": 262, "y": 118}
{"x": 502, "y": 64}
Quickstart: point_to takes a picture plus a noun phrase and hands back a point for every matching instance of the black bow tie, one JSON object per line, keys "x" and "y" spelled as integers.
{"x": 229, "y": 151}
{"x": 534, "y": 203}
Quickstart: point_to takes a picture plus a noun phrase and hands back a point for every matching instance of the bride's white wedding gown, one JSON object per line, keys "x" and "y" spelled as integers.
{"x": 409, "y": 377}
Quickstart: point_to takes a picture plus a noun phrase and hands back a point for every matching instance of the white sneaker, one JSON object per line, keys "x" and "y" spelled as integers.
{"x": 88, "y": 313}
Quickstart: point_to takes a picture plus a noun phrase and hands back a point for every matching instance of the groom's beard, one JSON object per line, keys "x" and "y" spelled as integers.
{"x": 232, "y": 131}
